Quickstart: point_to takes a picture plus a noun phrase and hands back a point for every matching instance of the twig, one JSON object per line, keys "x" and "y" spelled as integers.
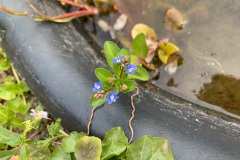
{"x": 64, "y": 133}
{"x": 90, "y": 121}
{"x": 18, "y": 81}
{"x": 133, "y": 111}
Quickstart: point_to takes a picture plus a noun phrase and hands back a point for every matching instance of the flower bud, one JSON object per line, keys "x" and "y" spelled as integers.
{"x": 111, "y": 80}
{"x": 124, "y": 87}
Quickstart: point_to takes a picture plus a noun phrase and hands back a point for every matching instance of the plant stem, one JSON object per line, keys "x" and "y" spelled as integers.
{"x": 18, "y": 81}
{"x": 133, "y": 111}
{"x": 121, "y": 72}
{"x": 90, "y": 121}
{"x": 64, "y": 133}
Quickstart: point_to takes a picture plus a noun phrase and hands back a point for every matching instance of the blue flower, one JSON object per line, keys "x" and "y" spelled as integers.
{"x": 131, "y": 69}
{"x": 118, "y": 59}
{"x": 97, "y": 87}
{"x": 112, "y": 97}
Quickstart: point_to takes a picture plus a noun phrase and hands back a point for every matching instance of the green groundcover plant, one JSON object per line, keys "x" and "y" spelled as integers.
{"x": 29, "y": 134}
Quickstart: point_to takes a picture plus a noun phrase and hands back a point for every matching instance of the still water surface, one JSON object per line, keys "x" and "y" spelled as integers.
{"x": 209, "y": 45}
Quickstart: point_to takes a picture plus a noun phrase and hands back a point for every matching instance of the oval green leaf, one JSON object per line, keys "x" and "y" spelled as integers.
{"x": 139, "y": 46}
{"x": 111, "y": 50}
{"x": 103, "y": 75}
{"x": 140, "y": 74}
{"x": 96, "y": 102}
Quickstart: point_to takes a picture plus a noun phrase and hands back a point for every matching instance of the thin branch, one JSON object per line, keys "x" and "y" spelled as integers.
{"x": 133, "y": 111}
{"x": 90, "y": 121}
{"x": 63, "y": 133}
{"x": 15, "y": 74}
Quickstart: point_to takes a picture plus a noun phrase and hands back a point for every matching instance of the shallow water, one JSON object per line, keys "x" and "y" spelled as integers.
{"x": 208, "y": 42}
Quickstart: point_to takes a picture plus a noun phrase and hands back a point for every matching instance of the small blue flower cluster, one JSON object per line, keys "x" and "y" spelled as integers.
{"x": 130, "y": 68}
{"x": 112, "y": 96}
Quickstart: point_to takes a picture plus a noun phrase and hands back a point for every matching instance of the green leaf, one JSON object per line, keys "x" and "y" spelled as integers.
{"x": 149, "y": 148}
{"x": 133, "y": 59}
{"x": 59, "y": 154}
{"x": 124, "y": 52}
{"x": 166, "y": 50}
{"x": 146, "y": 30}
{"x": 103, "y": 75}
{"x": 69, "y": 142}
{"x": 6, "y": 114}
{"x": 3, "y": 114}
{"x": 116, "y": 134}
{"x": 88, "y": 148}
{"x": 23, "y": 152}
{"x": 96, "y": 102}
{"x": 10, "y": 90}
{"x": 4, "y": 63}
{"x": 54, "y": 128}
{"x": 139, "y": 46}
{"x": 8, "y": 137}
{"x": 34, "y": 152}
{"x": 44, "y": 143}
{"x": 117, "y": 70}
{"x": 111, "y": 50}
{"x": 17, "y": 105}
{"x": 140, "y": 74}
{"x": 16, "y": 122}
{"x": 7, "y": 154}
{"x": 112, "y": 149}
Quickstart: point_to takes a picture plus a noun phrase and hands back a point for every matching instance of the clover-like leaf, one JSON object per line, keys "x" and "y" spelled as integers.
{"x": 111, "y": 50}
{"x": 146, "y": 30}
{"x": 150, "y": 148}
{"x": 140, "y": 74}
{"x": 139, "y": 46}
{"x": 103, "y": 75}
{"x": 69, "y": 142}
{"x": 88, "y": 148}
{"x": 166, "y": 50}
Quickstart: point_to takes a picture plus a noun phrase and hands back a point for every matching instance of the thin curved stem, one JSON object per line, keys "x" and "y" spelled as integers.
{"x": 133, "y": 111}
{"x": 15, "y": 74}
{"x": 90, "y": 121}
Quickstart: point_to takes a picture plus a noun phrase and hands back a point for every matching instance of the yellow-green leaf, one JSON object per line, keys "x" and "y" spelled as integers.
{"x": 146, "y": 30}
{"x": 88, "y": 148}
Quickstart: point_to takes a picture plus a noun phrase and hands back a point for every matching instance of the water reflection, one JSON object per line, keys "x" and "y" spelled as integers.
{"x": 222, "y": 91}
{"x": 208, "y": 42}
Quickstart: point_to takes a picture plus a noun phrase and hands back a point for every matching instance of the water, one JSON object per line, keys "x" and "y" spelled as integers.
{"x": 208, "y": 42}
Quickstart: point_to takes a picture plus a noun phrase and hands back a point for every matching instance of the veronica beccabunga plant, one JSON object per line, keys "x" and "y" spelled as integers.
{"x": 126, "y": 69}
